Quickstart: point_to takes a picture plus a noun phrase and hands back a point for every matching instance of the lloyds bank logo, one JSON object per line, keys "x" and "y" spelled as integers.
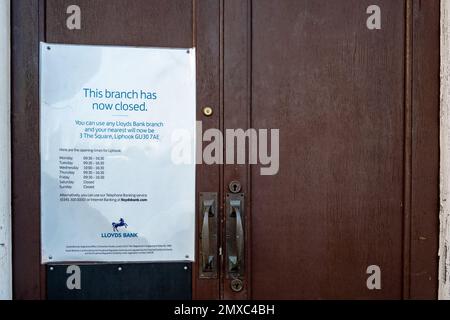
{"x": 116, "y": 231}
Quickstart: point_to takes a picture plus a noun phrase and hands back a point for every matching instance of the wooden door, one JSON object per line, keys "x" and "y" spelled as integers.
{"x": 358, "y": 114}
{"x": 357, "y": 111}
{"x": 145, "y": 23}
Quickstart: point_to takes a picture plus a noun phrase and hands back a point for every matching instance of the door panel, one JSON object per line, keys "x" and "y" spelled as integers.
{"x": 422, "y": 273}
{"x": 209, "y": 177}
{"x": 120, "y": 22}
{"x": 237, "y": 64}
{"x": 28, "y": 275}
{"x": 336, "y": 91}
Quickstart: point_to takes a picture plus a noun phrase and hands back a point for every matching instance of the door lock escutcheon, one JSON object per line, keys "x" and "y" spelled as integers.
{"x": 237, "y": 285}
{"x": 235, "y": 186}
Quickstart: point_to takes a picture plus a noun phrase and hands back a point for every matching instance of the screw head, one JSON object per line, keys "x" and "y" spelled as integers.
{"x": 208, "y": 111}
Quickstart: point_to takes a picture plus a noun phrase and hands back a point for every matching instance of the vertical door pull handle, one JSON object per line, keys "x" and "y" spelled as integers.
{"x": 235, "y": 237}
{"x": 208, "y": 235}
{"x": 236, "y": 207}
{"x": 206, "y": 250}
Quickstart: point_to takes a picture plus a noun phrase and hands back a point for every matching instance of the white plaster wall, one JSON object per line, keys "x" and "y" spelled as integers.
{"x": 5, "y": 153}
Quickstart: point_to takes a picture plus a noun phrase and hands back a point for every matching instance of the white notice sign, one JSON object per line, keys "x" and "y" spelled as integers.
{"x": 110, "y": 119}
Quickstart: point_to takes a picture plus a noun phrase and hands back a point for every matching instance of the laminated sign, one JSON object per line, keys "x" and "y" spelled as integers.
{"x": 114, "y": 121}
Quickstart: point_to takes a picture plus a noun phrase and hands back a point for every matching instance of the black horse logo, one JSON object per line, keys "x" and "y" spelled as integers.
{"x": 121, "y": 223}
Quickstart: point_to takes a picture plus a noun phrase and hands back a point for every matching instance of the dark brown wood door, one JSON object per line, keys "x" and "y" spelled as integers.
{"x": 357, "y": 111}
{"x": 141, "y": 23}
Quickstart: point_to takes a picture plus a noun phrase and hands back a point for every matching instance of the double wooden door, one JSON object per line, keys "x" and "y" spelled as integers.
{"x": 357, "y": 111}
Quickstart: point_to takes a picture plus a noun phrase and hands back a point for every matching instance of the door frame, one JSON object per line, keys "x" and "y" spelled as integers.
{"x": 421, "y": 199}
{"x": 421, "y": 150}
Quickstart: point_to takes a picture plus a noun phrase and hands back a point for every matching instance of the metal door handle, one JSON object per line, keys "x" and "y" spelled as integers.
{"x": 207, "y": 258}
{"x": 239, "y": 229}
{"x": 208, "y": 236}
{"x": 235, "y": 236}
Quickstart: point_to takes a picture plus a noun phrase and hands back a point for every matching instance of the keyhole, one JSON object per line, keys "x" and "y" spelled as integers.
{"x": 235, "y": 186}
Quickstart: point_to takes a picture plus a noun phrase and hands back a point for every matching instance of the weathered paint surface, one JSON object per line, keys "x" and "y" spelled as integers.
{"x": 5, "y": 152}
{"x": 444, "y": 248}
